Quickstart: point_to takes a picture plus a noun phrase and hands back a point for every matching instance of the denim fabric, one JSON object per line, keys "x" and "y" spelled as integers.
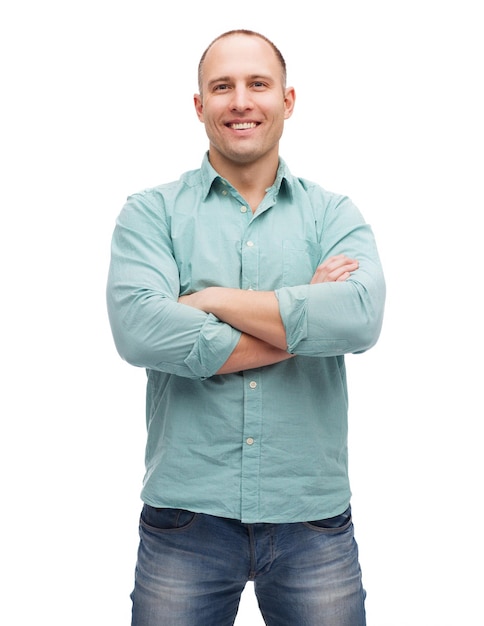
{"x": 193, "y": 567}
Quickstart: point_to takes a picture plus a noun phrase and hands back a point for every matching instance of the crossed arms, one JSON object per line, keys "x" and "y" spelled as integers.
{"x": 256, "y": 315}
{"x": 221, "y": 329}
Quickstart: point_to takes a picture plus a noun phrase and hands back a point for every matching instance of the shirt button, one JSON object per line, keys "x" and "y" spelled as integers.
{"x": 249, "y": 441}
{"x": 250, "y": 244}
{"x": 243, "y": 209}
{"x": 224, "y": 192}
{"x": 252, "y": 384}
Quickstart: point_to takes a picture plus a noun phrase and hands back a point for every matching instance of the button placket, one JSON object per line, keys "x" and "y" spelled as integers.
{"x": 251, "y": 445}
{"x": 250, "y": 263}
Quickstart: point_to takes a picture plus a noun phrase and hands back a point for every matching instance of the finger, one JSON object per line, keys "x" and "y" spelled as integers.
{"x": 334, "y": 270}
{"x": 338, "y": 262}
{"x": 343, "y": 277}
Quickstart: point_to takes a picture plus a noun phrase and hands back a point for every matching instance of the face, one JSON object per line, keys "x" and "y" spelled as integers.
{"x": 243, "y": 102}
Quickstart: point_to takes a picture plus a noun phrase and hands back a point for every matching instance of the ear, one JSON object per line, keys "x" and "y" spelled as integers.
{"x": 289, "y": 102}
{"x": 197, "y": 101}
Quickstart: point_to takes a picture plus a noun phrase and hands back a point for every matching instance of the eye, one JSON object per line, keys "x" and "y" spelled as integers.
{"x": 221, "y": 87}
{"x": 258, "y": 84}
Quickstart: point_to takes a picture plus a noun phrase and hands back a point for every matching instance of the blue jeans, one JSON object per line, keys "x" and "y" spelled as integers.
{"x": 192, "y": 569}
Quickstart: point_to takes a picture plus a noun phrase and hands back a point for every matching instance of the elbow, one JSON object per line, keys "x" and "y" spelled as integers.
{"x": 368, "y": 323}
{"x": 129, "y": 348}
{"x": 132, "y": 355}
{"x": 366, "y": 335}
{"x": 130, "y": 338}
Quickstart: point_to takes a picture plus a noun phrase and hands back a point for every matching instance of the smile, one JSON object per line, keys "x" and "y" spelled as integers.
{"x": 242, "y": 125}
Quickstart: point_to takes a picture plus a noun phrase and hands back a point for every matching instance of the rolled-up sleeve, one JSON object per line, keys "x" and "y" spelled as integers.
{"x": 150, "y": 328}
{"x": 335, "y": 318}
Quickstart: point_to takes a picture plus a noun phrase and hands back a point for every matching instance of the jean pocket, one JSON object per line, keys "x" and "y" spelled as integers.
{"x": 166, "y": 519}
{"x": 332, "y": 525}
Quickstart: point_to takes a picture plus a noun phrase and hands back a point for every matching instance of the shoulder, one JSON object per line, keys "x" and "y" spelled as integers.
{"x": 321, "y": 199}
{"x": 329, "y": 208}
{"x": 164, "y": 197}
{"x": 188, "y": 180}
{"x": 306, "y": 190}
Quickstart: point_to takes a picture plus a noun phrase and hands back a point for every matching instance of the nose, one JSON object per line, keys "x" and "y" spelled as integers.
{"x": 241, "y": 99}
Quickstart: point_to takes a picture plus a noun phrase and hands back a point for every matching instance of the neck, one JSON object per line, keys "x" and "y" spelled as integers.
{"x": 250, "y": 179}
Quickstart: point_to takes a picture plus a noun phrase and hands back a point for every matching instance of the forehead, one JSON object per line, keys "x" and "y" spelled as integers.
{"x": 240, "y": 55}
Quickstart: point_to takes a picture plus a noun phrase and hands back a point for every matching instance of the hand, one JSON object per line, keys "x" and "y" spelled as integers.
{"x": 334, "y": 269}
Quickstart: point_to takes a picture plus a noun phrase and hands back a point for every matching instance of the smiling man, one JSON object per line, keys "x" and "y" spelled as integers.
{"x": 243, "y": 106}
{"x": 240, "y": 288}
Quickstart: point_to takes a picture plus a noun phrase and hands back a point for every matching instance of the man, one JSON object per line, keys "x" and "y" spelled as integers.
{"x": 239, "y": 288}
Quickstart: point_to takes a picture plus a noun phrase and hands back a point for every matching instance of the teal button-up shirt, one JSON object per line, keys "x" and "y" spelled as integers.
{"x": 266, "y": 444}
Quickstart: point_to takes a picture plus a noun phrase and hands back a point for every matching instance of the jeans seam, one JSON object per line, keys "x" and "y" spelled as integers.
{"x": 329, "y": 531}
{"x": 252, "y": 572}
{"x": 154, "y": 529}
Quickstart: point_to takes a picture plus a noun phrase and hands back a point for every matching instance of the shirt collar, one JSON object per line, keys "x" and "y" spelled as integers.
{"x": 284, "y": 178}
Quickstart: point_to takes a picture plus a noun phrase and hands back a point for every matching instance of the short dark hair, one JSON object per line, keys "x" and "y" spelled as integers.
{"x": 250, "y": 33}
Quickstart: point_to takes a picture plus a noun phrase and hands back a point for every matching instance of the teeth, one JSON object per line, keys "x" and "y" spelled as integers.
{"x": 243, "y": 125}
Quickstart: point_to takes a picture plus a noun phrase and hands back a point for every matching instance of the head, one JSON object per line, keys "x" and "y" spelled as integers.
{"x": 243, "y": 100}
{"x": 249, "y": 33}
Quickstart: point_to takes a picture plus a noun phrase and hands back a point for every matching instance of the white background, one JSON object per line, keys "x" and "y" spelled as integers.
{"x": 97, "y": 104}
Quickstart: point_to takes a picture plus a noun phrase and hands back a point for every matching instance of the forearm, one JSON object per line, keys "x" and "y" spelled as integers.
{"x": 251, "y": 352}
{"x": 255, "y": 313}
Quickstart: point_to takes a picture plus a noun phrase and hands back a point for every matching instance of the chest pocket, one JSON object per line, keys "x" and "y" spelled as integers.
{"x": 215, "y": 264}
{"x": 300, "y": 258}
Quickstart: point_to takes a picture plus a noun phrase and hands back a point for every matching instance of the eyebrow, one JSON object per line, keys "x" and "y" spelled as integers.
{"x": 222, "y": 79}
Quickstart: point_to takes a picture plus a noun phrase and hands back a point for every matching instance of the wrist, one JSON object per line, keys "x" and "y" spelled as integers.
{"x": 217, "y": 299}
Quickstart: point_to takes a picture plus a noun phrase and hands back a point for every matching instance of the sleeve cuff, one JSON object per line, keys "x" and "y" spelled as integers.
{"x": 215, "y": 344}
{"x": 293, "y": 308}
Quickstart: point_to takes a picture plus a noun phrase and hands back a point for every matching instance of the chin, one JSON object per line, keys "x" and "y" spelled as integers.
{"x": 244, "y": 157}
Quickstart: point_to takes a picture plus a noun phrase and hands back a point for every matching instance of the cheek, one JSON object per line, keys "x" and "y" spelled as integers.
{"x": 209, "y": 116}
